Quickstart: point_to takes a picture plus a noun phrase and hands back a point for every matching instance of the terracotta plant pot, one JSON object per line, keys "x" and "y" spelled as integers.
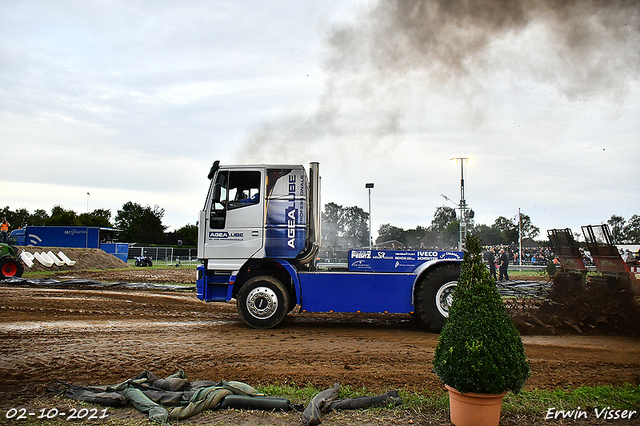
{"x": 474, "y": 409}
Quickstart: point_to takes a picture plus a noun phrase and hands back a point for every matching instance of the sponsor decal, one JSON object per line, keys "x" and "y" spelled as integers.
{"x": 75, "y": 231}
{"x": 451, "y": 255}
{"x": 291, "y": 213}
{"x": 34, "y": 239}
{"x": 361, "y": 255}
{"x": 361, "y": 264}
{"x": 404, "y": 265}
{"x": 380, "y": 255}
{"x": 224, "y": 235}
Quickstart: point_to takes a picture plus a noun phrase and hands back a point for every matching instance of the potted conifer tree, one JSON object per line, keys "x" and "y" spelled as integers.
{"x": 480, "y": 355}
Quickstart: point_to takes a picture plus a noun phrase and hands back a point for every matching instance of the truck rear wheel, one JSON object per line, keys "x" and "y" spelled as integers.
{"x": 263, "y": 302}
{"x": 433, "y": 296}
{"x": 10, "y": 267}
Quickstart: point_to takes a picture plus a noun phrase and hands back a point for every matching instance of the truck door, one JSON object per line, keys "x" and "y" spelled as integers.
{"x": 235, "y": 217}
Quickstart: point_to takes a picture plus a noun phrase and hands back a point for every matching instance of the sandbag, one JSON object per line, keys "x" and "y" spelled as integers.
{"x": 246, "y": 402}
{"x": 80, "y": 393}
{"x": 168, "y": 397}
{"x": 321, "y": 403}
{"x": 140, "y": 402}
{"x": 204, "y": 399}
{"x": 171, "y": 383}
{"x": 239, "y": 388}
{"x": 203, "y": 384}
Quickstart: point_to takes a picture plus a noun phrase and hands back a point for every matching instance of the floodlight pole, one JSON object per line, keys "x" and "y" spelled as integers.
{"x": 369, "y": 186}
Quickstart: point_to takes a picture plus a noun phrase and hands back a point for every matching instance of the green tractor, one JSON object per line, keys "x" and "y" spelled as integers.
{"x": 10, "y": 264}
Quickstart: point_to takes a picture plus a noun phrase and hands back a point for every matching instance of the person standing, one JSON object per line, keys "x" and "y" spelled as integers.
{"x": 491, "y": 257}
{"x": 4, "y": 230}
{"x": 504, "y": 265}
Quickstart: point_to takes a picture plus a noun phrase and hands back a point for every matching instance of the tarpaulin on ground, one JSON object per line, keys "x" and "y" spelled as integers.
{"x": 89, "y": 284}
{"x": 175, "y": 397}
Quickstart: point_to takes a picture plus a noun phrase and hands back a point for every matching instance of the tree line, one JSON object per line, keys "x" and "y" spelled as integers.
{"x": 341, "y": 223}
{"x": 143, "y": 224}
{"x": 137, "y": 223}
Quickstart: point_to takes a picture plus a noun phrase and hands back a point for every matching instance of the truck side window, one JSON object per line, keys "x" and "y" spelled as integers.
{"x": 244, "y": 189}
{"x": 218, "y": 212}
{"x": 233, "y": 190}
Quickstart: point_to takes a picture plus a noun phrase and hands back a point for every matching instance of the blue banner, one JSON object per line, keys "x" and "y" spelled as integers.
{"x": 396, "y": 261}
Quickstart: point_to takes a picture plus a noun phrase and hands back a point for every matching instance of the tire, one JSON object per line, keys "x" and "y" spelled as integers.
{"x": 262, "y": 302}
{"x": 10, "y": 267}
{"x": 149, "y": 263}
{"x": 433, "y": 295}
{"x": 138, "y": 263}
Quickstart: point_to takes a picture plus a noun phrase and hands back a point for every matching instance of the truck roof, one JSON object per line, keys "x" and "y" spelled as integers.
{"x": 269, "y": 166}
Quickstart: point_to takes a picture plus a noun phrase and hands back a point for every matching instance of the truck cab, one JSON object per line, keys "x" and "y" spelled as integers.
{"x": 256, "y": 212}
{"x": 18, "y": 237}
{"x": 258, "y": 237}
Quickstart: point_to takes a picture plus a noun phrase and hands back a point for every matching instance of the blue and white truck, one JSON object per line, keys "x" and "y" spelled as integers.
{"x": 258, "y": 238}
{"x": 71, "y": 236}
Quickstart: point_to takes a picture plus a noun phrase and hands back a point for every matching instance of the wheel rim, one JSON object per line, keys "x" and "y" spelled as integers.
{"x": 9, "y": 270}
{"x": 444, "y": 297}
{"x": 262, "y": 302}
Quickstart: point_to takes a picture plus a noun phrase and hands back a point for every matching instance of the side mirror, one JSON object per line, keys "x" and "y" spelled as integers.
{"x": 216, "y": 193}
{"x": 214, "y": 169}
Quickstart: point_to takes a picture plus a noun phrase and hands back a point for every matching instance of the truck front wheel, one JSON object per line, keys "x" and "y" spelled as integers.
{"x": 433, "y": 296}
{"x": 10, "y": 267}
{"x": 262, "y": 302}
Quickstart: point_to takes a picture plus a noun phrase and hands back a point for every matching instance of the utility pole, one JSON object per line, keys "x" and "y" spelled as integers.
{"x": 463, "y": 203}
{"x": 369, "y": 186}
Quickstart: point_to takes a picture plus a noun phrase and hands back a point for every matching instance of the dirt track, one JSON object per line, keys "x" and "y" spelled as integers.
{"x": 104, "y": 337}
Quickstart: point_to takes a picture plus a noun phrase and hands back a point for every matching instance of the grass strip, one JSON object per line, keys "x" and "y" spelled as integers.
{"x": 529, "y": 407}
{"x": 527, "y": 402}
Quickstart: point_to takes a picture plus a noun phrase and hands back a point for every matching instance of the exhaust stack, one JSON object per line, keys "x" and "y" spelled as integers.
{"x": 313, "y": 216}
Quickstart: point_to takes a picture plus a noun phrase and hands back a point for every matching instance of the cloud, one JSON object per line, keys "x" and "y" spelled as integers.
{"x": 139, "y": 98}
{"x": 522, "y": 85}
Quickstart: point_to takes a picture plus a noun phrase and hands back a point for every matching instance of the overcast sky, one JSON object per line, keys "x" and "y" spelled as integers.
{"x": 133, "y": 101}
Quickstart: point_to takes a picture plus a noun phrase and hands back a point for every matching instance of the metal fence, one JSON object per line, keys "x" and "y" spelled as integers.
{"x": 168, "y": 255}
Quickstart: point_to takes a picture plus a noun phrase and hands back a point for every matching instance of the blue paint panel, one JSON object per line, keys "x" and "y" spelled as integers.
{"x": 285, "y": 228}
{"x": 62, "y": 236}
{"x": 353, "y": 292}
{"x": 284, "y": 243}
{"x": 286, "y": 214}
{"x": 211, "y": 287}
{"x": 396, "y": 261}
{"x": 119, "y": 250}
